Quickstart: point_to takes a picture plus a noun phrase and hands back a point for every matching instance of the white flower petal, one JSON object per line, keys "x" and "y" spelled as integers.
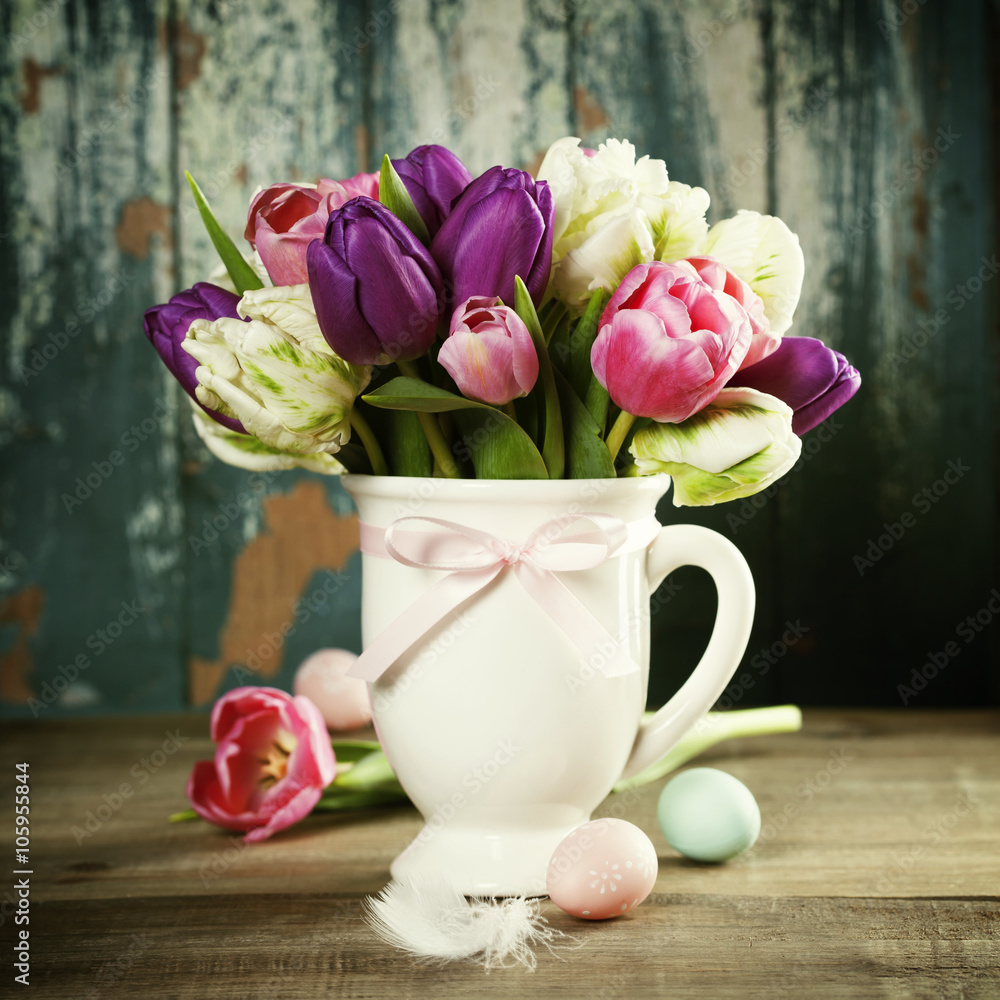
{"x": 246, "y": 452}
{"x": 766, "y": 254}
{"x": 679, "y": 223}
{"x": 293, "y": 399}
{"x": 617, "y": 244}
{"x": 735, "y": 447}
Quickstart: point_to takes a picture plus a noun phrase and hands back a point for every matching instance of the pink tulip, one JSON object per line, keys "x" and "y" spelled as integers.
{"x": 272, "y": 762}
{"x": 668, "y": 342}
{"x": 285, "y": 218}
{"x": 489, "y": 352}
{"x": 764, "y": 342}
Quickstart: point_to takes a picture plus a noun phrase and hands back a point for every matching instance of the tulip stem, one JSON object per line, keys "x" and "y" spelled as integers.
{"x": 508, "y": 408}
{"x": 440, "y": 448}
{"x": 618, "y": 433}
{"x": 368, "y": 439}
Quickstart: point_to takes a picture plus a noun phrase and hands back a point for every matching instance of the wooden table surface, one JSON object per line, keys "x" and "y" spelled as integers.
{"x": 876, "y": 875}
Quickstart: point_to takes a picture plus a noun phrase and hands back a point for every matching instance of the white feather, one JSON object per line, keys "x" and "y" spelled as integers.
{"x": 432, "y": 920}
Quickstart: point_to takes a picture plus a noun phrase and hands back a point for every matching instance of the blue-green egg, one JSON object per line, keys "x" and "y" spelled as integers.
{"x": 708, "y": 815}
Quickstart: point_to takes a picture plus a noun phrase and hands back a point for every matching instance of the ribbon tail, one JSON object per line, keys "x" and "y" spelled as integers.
{"x": 418, "y": 619}
{"x": 587, "y": 633}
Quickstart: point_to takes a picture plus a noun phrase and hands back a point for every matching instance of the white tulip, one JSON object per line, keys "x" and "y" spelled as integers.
{"x": 766, "y": 254}
{"x": 276, "y": 373}
{"x": 736, "y": 446}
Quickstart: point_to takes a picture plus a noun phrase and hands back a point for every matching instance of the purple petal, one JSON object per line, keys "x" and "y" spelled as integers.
{"x": 500, "y": 238}
{"x": 403, "y": 308}
{"x": 538, "y": 277}
{"x": 434, "y": 177}
{"x": 167, "y": 325}
{"x": 335, "y": 296}
{"x": 810, "y": 377}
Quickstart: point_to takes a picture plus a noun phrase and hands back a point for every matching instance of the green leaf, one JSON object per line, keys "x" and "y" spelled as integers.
{"x": 242, "y": 274}
{"x": 336, "y": 800}
{"x": 714, "y": 728}
{"x": 409, "y": 453}
{"x": 372, "y": 769}
{"x": 351, "y": 751}
{"x": 393, "y": 194}
{"x": 526, "y": 408}
{"x": 578, "y": 369}
{"x": 587, "y": 455}
{"x": 553, "y": 445}
{"x": 597, "y": 402}
{"x": 497, "y": 446}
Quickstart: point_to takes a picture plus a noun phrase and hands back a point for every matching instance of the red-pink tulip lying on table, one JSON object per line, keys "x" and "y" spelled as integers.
{"x": 489, "y": 352}
{"x": 272, "y": 762}
{"x": 285, "y": 218}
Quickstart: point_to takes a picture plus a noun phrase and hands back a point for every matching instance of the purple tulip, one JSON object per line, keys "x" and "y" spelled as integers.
{"x": 807, "y": 375}
{"x": 167, "y": 325}
{"x": 434, "y": 177}
{"x": 376, "y": 289}
{"x": 500, "y": 226}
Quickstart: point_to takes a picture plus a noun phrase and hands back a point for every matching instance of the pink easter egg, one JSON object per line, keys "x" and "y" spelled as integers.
{"x": 602, "y": 869}
{"x": 342, "y": 701}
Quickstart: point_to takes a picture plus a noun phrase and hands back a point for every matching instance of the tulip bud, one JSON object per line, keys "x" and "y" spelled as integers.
{"x": 668, "y": 342}
{"x": 376, "y": 289}
{"x": 499, "y": 228}
{"x": 489, "y": 352}
{"x": 807, "y": 375}
{"x": 167, "y": 325}
{"x": 434, "y": 177}
{"x": 736, "y": 446}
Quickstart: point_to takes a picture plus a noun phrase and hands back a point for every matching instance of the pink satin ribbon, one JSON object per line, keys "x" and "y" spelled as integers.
{"x": 474, "y": 558}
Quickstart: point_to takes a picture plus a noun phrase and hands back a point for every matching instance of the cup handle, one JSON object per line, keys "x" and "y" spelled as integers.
{"x": 692, "y": 545}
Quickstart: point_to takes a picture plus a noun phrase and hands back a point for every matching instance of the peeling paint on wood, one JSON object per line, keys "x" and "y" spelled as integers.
{"x": 23, "y": 610}
{"x": 300, "y": 536}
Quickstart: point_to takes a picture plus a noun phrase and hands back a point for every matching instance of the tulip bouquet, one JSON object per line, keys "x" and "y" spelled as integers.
{"x": 584, "y": 323}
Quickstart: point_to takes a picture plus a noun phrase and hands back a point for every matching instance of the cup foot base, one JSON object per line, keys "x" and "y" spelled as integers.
{"x": 511, "y": 863}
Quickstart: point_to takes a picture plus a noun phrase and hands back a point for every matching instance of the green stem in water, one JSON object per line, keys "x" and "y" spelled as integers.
{"x": 618, "y": 433}
{"x": 714, "y": 728}
{"x": 432, "y": 431}
{"x": 368, "y": 439}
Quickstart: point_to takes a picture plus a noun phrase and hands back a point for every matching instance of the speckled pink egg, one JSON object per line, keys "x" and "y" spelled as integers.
{"x": 602, "y": 869}
{"x": 342, "y": 701}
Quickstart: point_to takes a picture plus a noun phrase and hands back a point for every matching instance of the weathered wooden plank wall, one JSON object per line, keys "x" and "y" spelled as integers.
{"x": 136, "y": 571}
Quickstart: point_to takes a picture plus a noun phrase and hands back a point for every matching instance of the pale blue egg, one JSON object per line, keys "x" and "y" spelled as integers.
{"x": 708, "y": 815}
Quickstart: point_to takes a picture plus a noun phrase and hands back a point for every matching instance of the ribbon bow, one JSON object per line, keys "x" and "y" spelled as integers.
{"x": 475, "y": 558}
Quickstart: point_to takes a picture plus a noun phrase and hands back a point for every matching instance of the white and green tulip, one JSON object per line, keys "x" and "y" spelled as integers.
{"x": 736, "y": 446}
{"x": 276, "y": 373}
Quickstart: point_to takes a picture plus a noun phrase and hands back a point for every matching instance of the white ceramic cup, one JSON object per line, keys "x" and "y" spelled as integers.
{"x": 502, "y": 732}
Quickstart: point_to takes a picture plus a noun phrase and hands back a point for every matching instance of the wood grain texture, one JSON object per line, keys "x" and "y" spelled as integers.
{"x": 881, "y": 881}
{"x": 825, "y": 113}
